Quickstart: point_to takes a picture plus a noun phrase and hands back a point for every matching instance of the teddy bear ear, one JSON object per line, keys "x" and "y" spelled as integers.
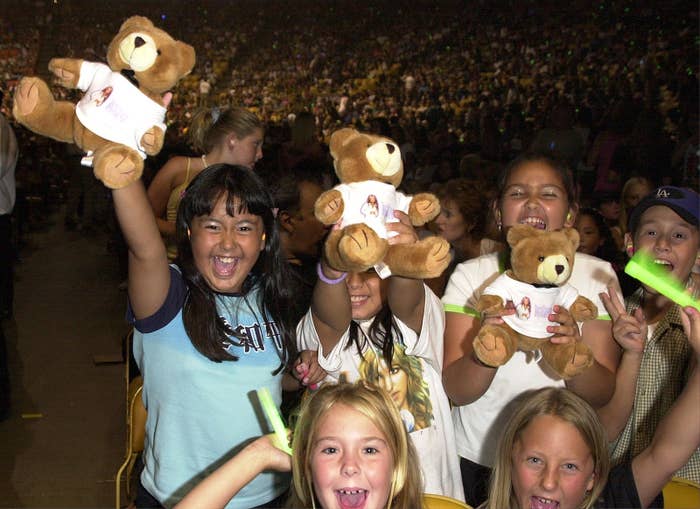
{"x": 340, "y": 137}
{"x": 518, "y": 232}
{"x": 136, "y": 22}
{"x": 187, "y": 57}
{"x": 573, "y": 236}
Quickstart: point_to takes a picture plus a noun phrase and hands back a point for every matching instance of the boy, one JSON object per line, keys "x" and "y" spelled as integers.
{"x": 657, "y": 359}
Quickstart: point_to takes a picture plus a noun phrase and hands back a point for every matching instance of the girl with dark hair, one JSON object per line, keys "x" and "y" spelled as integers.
{"x": 208, "y": 330}
{"x": 388, "y": 332}
{"x": 537, "y": 190}
{"x": 229, "y": 135}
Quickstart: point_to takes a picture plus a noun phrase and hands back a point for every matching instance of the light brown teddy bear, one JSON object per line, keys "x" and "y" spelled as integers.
{"x": 369, "y": 168}
{"x": 120, "y": 119}
{"x": 541, "y": 263}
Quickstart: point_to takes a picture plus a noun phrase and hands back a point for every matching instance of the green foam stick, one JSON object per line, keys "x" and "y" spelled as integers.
{"x": 642, "y": 267}
{"x": 273, "y": 415}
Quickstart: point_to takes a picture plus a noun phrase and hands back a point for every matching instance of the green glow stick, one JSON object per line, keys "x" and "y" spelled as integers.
{"x": 273, "y": 415}
{"x": 642, "y": 267}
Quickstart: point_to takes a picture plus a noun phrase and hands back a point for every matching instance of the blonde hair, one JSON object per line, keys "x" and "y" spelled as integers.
{"x": 211, "y": 126}
{"x": 624, "y": 196}
{"x": 375, "y": 404}
{"x": 567, "y": 406}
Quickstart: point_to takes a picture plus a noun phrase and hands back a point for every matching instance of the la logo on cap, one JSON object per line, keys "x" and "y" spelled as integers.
{"x": 663, "y": 193}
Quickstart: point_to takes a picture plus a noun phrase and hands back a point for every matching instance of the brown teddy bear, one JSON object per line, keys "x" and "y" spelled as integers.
{"x": 541, "y": 263}
{"x": 120, "y": 119}
{"x": 369, "y": 168}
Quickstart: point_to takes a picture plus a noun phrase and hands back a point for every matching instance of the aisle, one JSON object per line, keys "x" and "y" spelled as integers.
{"x": 65, "y": 437}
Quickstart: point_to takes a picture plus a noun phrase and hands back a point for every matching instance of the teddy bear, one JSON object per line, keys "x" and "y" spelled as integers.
{"x": 120, "y": 118}
{"x": 541, "y": 264}
{"x": 370, "y": 168}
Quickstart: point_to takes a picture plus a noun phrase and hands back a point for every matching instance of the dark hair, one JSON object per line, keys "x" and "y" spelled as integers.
{"x": 472, "y": 197}
{"x": 381, "y": 334}
{"x": 608, "y": 250}
{"x": 531, "y": 157}
{"x": 243, "y": 191}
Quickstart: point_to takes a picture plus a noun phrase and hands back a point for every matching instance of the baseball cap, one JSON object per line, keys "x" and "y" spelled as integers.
{"x": 683, "y": 201}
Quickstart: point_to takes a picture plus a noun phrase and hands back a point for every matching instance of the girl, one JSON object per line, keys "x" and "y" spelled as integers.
{"x": 231, "y": 136}
{"x": 596, "y": 239}
{"x": 208, "y": 331}
{"x": 553, "y": 452}
{"x": 536, "y": 190}
{"x": 358, "y": 318}
{"x": 350, "y": 450}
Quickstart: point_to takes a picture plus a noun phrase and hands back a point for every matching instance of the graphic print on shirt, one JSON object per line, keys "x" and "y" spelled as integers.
{"x": 404, "y": 382}
{"x": 250, "y": 338}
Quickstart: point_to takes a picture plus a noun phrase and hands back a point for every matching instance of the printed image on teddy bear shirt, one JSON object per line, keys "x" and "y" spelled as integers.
{"x": 532, "y": 305}
{"x": 115, "y": 109}
{"x": 372, "y": 203}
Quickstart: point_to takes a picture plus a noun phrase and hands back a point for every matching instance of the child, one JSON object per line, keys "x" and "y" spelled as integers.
{"x": 389, "y": 332}
{"x": 208, "y": 331}
{"x": 536, "y": 190}
{"x": 350, "y": 450}
{"x": 553, "y": 452}
{"x": 657, "y": 357}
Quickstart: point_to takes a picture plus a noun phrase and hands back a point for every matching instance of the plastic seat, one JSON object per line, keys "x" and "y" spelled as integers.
{"x": 432, "y": 501}
{"x": 681, "y": 494}
{"x": 135, "y": 434}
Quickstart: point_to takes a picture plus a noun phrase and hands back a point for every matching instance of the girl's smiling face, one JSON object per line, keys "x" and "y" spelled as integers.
{"x": 367, "y": 291}
{"x": 351, "y": 462}
{"x": 225, "y": 248}
{"x": 534, "y": 194}
{"x": 552, "y": 466}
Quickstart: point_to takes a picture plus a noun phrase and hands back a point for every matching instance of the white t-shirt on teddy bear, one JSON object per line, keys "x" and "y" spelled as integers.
{"x": 115, "y": 109}
{"x": 373, "y": 203}
{"x": 532, "y": 305}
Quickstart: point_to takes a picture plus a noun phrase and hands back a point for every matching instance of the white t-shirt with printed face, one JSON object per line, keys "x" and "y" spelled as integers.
{"x": 373, "y": 203}
{"x": 115, "y": 109}
{"x": 532, "y": 305}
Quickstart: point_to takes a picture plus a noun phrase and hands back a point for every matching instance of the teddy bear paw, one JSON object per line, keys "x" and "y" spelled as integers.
{"x": 491, "y": 349}
{"x": 118, "y": 167}
{"x": 438, "y": 257}
{"x": 152, "y": 140}
{"x": 580, "y": 360}
{"x": 361, "y": 247}
{"x": 26, "y": 97}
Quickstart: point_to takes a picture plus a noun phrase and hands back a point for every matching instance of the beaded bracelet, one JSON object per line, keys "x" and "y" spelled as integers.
{"x": 327, "y": 280}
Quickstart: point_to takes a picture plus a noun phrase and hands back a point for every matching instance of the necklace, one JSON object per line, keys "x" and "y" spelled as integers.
{"x": 204, "y": 160}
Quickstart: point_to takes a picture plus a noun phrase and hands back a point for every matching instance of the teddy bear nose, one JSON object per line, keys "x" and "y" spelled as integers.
{"x": 390, "y": 148}
{"x": 138, "y": 42}
{"x": 559, "y": 269}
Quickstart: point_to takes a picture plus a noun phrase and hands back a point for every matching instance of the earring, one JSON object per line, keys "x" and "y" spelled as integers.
{"x": 629, "y": 249}
{"x": 188, "y": 232}
{"x": 499, "y": 226}
{"x": 568, "y": 216}
{"x": 263, "y": 237}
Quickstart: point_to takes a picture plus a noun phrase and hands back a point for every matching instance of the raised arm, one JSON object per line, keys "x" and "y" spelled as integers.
{"x": 165, "y": 180}
{"x": 678, "y": 434}
{"x": 406, "y": 297}
{"x": 330, "y": 306}
{"x": 226, "y": 481}
{"x": 630, "y": 332}
{"x": 149, "y": 277}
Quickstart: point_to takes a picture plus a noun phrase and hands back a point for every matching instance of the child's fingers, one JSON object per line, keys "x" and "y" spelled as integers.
{"x": 690, "y": 317}
{"x": 612, "y": 303}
